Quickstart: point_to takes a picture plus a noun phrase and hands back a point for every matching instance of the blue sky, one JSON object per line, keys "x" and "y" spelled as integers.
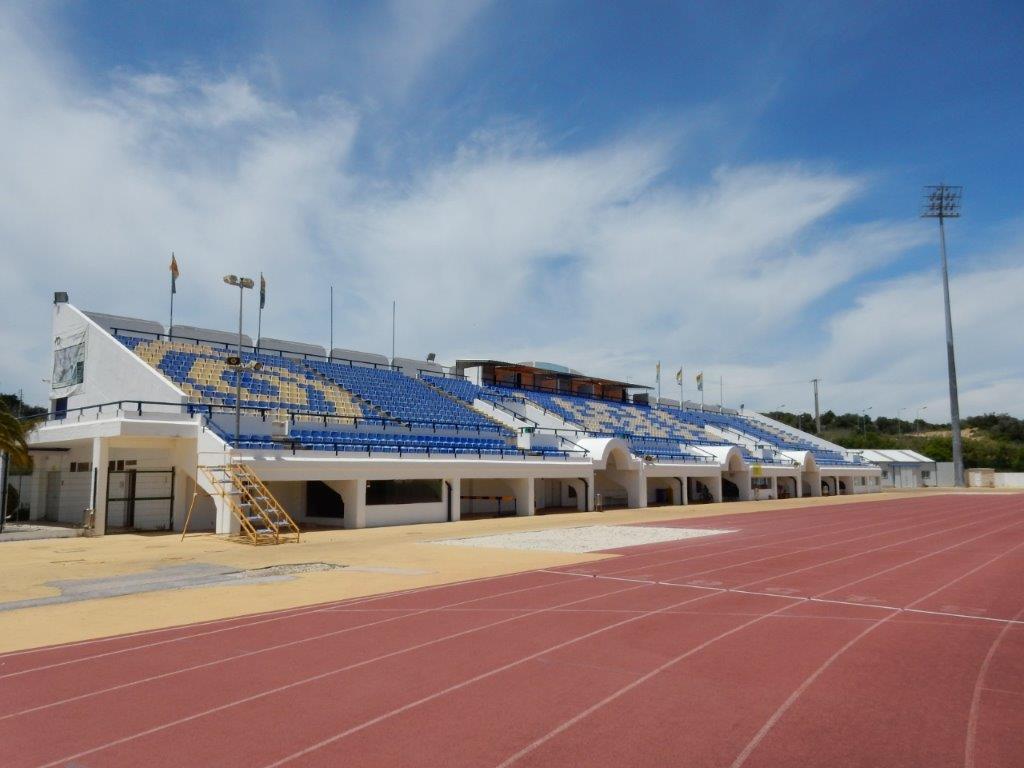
{"x": 730, "y": 187}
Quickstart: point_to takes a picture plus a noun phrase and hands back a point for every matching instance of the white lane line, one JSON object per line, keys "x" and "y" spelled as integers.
{"x": 901, "y": 519}
{"x": 335, "y": 671}
{"x": 711, "y": 592}
{"x": 267, "y": 649}
{"x": 180, "y": 638}
{"x": 793, "y": 697}
{"x": 569, "y": 723}
{"x": 266, "y": 616}
{"x": 970, "y": 744}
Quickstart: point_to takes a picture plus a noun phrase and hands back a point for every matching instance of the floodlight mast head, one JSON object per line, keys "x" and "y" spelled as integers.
{"x": 942, "y": 201}
{"x": 231, "y": 279}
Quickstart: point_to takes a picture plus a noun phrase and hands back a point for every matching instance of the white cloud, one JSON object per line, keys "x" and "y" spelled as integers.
{"x": 590, "y": 257}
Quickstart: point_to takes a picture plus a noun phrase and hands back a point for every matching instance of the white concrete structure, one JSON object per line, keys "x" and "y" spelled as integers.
{"x": 903, "y": 468}
{"x": 127, "y": 440}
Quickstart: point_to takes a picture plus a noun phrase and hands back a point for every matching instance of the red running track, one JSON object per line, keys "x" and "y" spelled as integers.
{"x": 871, "y": 634}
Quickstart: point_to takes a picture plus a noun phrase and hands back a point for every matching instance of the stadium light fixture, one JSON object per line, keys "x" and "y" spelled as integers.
{"x": 241, "y": 283}
{"x": 942, "y": 202}
{"x": 863, "y": 420}
{"x": 917, "y": 416}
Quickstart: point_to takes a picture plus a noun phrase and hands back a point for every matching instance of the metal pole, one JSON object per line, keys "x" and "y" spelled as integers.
{"x": 394, "y": 312}
{"x": 817, "y": 413}
{"x": 259, "y": 317}
{"x": 954, "y": 402}
{"x": 170, "y": 325}
{"x": 721, "y": 392}
{"x": 331, "y": 350}
{"x": 238, "y": 371}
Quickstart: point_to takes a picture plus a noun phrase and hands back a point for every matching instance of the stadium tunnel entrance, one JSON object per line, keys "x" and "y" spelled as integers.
{"x": 786, "y": 487}
{"x": 704, "y": 490}
{"x": 736, "y": 479}
{"x": 618, "y": 478}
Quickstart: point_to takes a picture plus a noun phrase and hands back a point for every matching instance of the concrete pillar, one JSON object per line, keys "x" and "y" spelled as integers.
{"x": 636, "y": 489}
{"x": 455, "y": 498}
{"x": 584, "y": 494}
{"x": 226, "y": 522}
{"x": 523, "y": 490}
{"x": 799, "y": 487}
{"x": 353, "y": 493}
{"x": 37, "y": 490}
{"x": 714, "y": 485}
{"x": 742, "y": 480}
{"x": 814, "y": 481}
{"x": 98, "y": 494}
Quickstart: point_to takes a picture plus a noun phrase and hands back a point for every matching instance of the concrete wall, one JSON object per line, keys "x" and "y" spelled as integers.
{"x": 112, "y": 372}
{"x": 1009, "y": 479}
{"x": 403, "y": 514}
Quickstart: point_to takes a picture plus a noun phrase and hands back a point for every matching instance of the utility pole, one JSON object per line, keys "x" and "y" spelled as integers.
{"x": 943, "y": 202}
{"x": 817, "y": 413}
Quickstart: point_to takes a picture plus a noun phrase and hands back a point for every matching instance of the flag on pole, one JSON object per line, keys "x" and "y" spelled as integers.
{"x": 263, "y": 291}
{"x": 679, "y": 376}
{"x": 700, "y": 381}
{"x": 657, "y": 372}
{"x": 174, "y": 274}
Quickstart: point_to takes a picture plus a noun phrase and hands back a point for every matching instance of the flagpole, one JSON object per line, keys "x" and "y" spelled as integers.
{"x": 659, "y": 382}
{"x": 721, "y": 390}
{"x": 331, "y": 350}
{"x": 259, "y": 317}
{"x": 170, "y": 325}
{"x": 680, "y": 387}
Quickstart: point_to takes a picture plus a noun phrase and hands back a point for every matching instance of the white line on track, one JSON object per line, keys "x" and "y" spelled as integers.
{"x": 793, "y": 697}
{"x": 971, "y": 740}
{"x": 902, "y": 516}
{"x": 411, "y": 612}
{"x": 274, "y": 615}
{"x": 437, "y": 640}
{"x": 743, "y": 755}
{"x": 328, "y": 673}
{"x": 406, "y": 707}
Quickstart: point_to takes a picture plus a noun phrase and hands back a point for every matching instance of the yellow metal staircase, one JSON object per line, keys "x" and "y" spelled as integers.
{"x": 261, "y": 517}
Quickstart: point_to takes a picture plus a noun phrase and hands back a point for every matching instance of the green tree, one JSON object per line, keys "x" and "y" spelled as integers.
{"x": 12, "y": 438}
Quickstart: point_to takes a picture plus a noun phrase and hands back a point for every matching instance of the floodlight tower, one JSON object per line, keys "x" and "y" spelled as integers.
{"x": 943, "y": 202}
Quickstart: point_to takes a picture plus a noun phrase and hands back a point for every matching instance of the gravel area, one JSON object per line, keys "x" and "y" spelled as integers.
{"x": 590, "y": 538}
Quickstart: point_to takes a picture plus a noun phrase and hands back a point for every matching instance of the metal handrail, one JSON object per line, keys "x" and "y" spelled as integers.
{"x": 370, "y": 449}
{"x": 258, "y": 350}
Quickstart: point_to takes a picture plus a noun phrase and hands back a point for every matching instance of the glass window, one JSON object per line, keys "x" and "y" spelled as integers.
{"x": 403, "y": 491}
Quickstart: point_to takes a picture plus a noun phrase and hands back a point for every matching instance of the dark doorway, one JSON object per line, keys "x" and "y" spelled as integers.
{"x": 323, "y": 501}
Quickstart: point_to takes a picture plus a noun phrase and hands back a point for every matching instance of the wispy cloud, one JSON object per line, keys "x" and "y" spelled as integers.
{"x": 506, "y": 246}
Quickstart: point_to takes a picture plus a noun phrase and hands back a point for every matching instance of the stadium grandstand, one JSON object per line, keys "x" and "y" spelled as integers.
{"x": 202, "y": 430}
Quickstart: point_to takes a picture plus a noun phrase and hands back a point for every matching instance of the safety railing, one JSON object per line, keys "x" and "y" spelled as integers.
{"x": 231, "y": 346}
{"x": 370, "y": 449}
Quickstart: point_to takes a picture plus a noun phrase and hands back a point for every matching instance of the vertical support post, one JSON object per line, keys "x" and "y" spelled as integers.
{"x": 817, "y": 412}
{"x": 100, "y": 459}
{"x": 954, "y": 400}
{"x": 238, "y": 371}
{"x": 454, "y": 486}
